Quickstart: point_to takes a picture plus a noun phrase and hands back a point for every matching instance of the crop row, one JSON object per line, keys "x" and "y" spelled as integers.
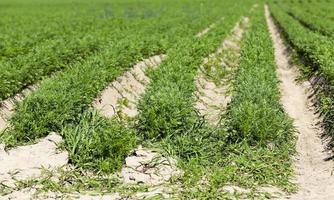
{"x": 312, "y": 21}
{"x": 317, "y": 9}
{"x": 69, "y": 42}
{"x": 259, "y": 132}
{"x": 316, "y": 51}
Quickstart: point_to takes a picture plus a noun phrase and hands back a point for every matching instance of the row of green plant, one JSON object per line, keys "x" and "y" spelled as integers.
{"x": 39, "y": 21}
{"x": 316, "y": 52}
{"x": 315, "y": 8}
{"x": 62, "y": 103}
{"x": 310, "y": 20}
{"x": 167, "y": 116}
{"x": 253, "y": 144}
{"x": 58, "y": 54}
{"x": 67, "y": 42}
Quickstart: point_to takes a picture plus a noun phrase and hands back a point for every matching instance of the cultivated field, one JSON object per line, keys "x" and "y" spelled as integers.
{"x": 166, "y": 99}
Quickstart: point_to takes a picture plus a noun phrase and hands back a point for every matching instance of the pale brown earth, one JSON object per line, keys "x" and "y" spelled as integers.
{"x": 313, "y": 169}
{"x": 121, "y": 96}
{"x": 30, "y": 194}
{"x": 26, "y": 161}
{"x": 212, "y": 98}
{"x": 144, "y": 167}
{"x": 7, "y": 106}
{"x": 148, "y": 167}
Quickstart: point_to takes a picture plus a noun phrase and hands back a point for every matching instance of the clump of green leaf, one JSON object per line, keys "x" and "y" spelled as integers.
{"x": 97, "y": 143}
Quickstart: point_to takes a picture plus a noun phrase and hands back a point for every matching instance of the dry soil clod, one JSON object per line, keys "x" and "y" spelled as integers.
{"x": 27, "y": 161}
{"x": 148, "y": 167}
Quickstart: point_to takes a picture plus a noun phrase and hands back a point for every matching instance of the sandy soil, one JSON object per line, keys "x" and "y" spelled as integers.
{"x": 121, "y": 96}
{"x": 7, "y": 106}
{"x": 148, "y": 167}
{"x": 27, "y": 161}
{"x": 213, "y": 98}
{"x": 143, "y": 167}
{"x": 313, "y": 173}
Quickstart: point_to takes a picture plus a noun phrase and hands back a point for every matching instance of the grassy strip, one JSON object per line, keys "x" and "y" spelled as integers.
{"x": 52, "y": 56}
{"x": 86, "y": 142}
{"x": 255, "y": 116}
{"x": 315, "y": 51}
{"x": 61, "y": 101}
{"x": 314, "y": 47}
{"x": 322, "y": 8}
{"x": 185, "y": 51}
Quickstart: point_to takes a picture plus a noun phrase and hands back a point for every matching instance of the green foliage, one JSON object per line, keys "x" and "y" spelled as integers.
{"x": 251, "y": 147}
{"x": 61, "y": 100}
{"x": 255, "y": 114}
{"x": 166, "y": 109}
{"x": 98, "y": 144}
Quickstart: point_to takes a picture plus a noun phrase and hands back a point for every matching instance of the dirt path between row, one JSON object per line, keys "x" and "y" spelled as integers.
{"x": 313, "y": 171}
{"x": 212, "y": 97}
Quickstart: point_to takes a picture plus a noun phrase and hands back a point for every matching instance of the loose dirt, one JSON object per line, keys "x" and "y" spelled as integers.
{"x": 121, "y": 96}
{"x": 212, "y": 98}
{"x": 148, "y": 167}
{"x": 27, "y": 161}
{"x": 313, "y": 173}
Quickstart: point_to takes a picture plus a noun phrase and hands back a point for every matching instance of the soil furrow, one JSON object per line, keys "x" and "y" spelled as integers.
{"x": 213, "y": 97}
{"x": 121, "y": 95}
{"x": 313, "y": 171}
